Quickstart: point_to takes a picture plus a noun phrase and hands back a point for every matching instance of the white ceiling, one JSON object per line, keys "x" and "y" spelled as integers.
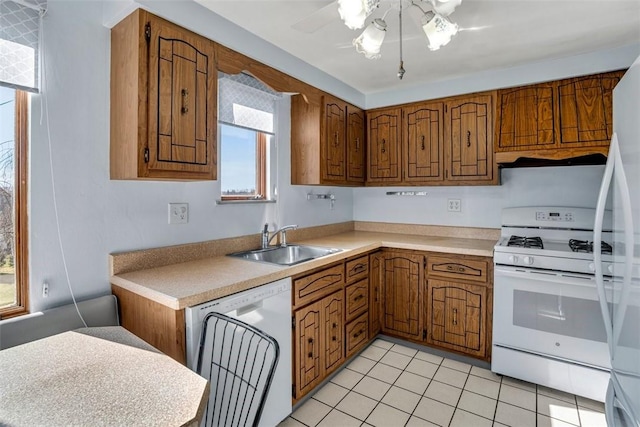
{"x": 495, "y": 34}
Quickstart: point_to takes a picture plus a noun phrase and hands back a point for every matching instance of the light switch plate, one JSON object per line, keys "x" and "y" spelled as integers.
{"x": 178, "y": 213}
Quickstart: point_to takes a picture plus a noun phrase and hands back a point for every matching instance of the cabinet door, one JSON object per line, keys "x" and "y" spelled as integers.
{"x": 525, "y": 118}
{"x": 383, "y": 142}
{"x": 402, "y": 294}
{"x": 457, "y": 316}
{"x": 182, "y": 103}
{"x": 376, "y": 276}
{"x": 586, "y": 110}
{"x": 355, "y": 144}
{"x": 469, "y": 139}
{"x": 308, "y": 370}
{"x": 333, "y": 140}
{"x": 333, "y": 330}
{"x": 424, "y": 132}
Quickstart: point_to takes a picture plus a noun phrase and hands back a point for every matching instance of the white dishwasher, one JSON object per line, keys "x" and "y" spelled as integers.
{"x": 267, "y": 308}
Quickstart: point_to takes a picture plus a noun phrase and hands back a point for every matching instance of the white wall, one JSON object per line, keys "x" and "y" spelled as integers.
{"x": 99, "y": 216}
{"x": 575, "y": 186}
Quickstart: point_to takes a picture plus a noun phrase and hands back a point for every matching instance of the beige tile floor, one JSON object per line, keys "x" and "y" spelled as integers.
{"x": 393, "y": 385}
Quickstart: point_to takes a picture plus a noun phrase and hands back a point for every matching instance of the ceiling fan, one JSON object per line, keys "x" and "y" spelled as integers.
{"x": 354, "y": 13}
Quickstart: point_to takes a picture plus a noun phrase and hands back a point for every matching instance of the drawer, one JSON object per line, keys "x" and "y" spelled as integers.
{"x": 357, "y": 331}
{"x": 357, "y": 296}
{"x": 357, "y": 269}
{"x": 457, "y": 268}
{"x": 317, "y": 285}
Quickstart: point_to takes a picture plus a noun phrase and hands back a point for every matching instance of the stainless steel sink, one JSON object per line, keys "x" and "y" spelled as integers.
{"x": 287, "y": 255}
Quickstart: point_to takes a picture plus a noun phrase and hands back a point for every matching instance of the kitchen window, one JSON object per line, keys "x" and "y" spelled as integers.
{"x": 14, "y": 290}
{"x": 246, "y": 117}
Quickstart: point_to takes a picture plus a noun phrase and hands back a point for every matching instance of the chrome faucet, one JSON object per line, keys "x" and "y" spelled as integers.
{"x": 283, "y": 231}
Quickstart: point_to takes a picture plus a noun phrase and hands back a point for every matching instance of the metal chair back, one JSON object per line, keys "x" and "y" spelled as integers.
{"x": 239, "y": 361}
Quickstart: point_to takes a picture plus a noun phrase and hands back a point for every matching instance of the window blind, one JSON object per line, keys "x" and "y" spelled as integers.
{"x": 19, "y": 42}
{"x": 246, "y": 102}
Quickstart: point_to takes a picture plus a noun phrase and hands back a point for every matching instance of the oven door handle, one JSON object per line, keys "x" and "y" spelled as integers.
{"x": 597, "y": 239}
{"x": 560, "y": 278}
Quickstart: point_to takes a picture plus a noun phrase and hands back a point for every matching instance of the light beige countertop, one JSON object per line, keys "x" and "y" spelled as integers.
{"x": 189, "y": 283}
{"x": 97, "y": 376}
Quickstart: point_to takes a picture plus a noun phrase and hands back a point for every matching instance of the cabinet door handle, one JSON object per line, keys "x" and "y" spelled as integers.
{"x": 311, "y": 348}
{"x": 455, "y": 316}
{"x": 334, "y": 325}
{"x": 185, "y": 101}
{"x": 422, "y": 142}
{"x": 384, "y": 150}
{"x": 335, "y": 144}
{"x": 357, "y": 144}
{"x": 333, "y": 338}
{"x": 468, "y": 138}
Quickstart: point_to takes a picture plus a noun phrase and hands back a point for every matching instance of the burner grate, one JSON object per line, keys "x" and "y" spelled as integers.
{"x": 525, "y": 242}
{"x": 586, "y": 246}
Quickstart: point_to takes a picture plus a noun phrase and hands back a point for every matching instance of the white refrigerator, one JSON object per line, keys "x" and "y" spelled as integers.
{"x": 620, "y": 304}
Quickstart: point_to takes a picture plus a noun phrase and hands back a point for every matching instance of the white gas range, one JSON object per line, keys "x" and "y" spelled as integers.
{"x": 547, "y": 327}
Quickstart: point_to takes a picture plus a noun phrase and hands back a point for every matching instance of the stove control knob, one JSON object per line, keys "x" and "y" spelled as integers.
{"x": 610, "y": 268}
{"x": 528, "y": 260}
{"x": 513, "y": 259}
{"x": 592, "y": 267}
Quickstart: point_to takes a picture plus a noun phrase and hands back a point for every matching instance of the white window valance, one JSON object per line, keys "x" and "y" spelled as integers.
{"x": 246, "y": 102}
{"x": 20, "y": 22}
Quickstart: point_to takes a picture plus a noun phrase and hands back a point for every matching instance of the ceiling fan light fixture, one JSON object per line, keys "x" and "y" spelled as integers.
{"x": 438, "y": 29}
{"x": 370, "y": 41}
{"x": 355, "y": 12}
{"x": 445, "y": 7}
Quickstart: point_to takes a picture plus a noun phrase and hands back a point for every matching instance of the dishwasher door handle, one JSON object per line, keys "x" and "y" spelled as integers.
{"x": 249, "y": 308}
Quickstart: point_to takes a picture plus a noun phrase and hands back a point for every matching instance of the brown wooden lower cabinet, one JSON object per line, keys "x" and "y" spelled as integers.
{"x": 402, "y": 294}
{"x": 457, "y": 316}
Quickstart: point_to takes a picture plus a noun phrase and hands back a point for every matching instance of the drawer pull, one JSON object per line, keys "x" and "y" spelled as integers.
{"x": 453, "y": 268}
{"x": 358, "y": 298}
{"x": 359, "y": 268}
{"x": 357, "y": 334}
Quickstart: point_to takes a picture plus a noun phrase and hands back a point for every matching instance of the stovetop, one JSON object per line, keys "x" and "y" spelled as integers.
{"x": 550, "y": 238}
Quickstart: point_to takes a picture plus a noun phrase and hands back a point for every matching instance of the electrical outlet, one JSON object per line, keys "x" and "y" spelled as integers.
{"x": 178, "y": 213}
{"x": 454, "y": 205}
{"x": 45, "y": 290}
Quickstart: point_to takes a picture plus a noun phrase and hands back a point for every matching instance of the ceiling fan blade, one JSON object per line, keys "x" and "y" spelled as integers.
{"x": 318, "y": 19}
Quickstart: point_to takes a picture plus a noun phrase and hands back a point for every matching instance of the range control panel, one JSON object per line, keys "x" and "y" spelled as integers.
{"x": 555, "y": 216}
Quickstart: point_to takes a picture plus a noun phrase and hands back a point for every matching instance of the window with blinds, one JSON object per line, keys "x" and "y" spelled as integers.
{"x": 246, "y": 116}
{"x": 20, "y": 32}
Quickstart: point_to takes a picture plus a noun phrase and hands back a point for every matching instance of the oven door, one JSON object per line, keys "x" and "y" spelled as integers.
{"x": 555, "y": 314}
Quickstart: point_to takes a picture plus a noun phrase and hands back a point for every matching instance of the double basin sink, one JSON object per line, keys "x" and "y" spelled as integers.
{"x": 286, "y": 255}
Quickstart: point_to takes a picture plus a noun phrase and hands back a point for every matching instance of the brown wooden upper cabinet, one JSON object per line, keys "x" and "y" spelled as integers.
{"x": 556, "y": 120}
{"x": 163, "y": 101}
{"x": 327, "y": 142}
{"x": 468, "y": 140}
{"x": 384, "y": 140}
{"x": 442, "y": 142}
{"x": 424, "y": 131}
